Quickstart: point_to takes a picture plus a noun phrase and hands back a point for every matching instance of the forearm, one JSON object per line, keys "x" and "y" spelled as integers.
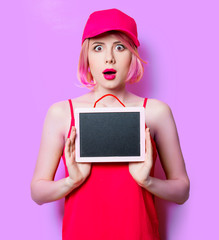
{"x": 176, "y": 190}
{"x": 44, "y": 191}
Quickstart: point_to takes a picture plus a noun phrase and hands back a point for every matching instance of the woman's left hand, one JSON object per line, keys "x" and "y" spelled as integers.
{"x": 140, "y": 171}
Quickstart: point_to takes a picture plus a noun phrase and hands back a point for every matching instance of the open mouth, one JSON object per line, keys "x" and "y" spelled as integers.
{"x": 109, "y": 75}
{"x": 109, "y": 72}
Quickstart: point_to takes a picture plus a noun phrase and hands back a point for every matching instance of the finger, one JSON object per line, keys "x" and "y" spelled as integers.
{"x": 148, "y": 144}
{"x": 73, "y": 155}
{"x": 73, "y": 138}
{"x": 146, "y": 140}
{"x": 69, "y": 154}
{"x": 67, "y": 146}
{"x": 70, "y": 146}
{"x": 72, "y": 132}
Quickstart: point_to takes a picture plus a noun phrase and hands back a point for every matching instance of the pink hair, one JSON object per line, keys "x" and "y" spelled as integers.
{"x": 136, "y": 68}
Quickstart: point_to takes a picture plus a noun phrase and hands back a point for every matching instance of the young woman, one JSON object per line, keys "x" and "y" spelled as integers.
{"x": 109, "y": 200}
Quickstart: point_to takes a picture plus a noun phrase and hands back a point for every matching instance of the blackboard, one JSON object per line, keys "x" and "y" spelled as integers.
{"x": 109, "y": 134}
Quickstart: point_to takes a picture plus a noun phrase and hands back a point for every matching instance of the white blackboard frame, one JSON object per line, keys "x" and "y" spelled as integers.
{"x": 140, "y": 158}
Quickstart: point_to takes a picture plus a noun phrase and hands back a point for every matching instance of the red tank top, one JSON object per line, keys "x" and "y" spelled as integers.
{"x": 109, "y": 205}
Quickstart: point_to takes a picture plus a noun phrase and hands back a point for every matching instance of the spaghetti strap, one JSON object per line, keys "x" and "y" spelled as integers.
{"x": 145, "y": 101}
{"x": 144, "y": 105}
{"x": 72, "y": 116}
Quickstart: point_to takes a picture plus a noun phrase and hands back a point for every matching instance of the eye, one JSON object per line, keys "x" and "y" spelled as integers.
{"x": 98, "y": 48}
{"x": 120, "y": 47}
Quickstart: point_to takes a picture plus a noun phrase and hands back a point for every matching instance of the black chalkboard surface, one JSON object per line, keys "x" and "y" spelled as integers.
{"x": 109, "y": 134}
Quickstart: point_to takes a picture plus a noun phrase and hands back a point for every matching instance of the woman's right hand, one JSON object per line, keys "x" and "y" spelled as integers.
{"x": 78, "y": 172}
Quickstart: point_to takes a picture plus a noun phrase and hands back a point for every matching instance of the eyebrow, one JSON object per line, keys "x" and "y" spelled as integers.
{"x": 103, "y": 42}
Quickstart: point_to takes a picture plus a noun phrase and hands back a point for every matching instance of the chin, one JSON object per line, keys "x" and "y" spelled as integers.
{"x": 114, "y": 86}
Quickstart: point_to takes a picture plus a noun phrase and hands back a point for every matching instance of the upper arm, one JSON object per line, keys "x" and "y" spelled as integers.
{"x": 167, "y": 142}
{"x": 51, "y": 145}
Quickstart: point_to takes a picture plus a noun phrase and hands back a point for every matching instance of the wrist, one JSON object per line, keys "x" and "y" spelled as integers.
{"x": 146, "y": 183}
{"x": 69, "y": 182}
{"x": 72, "y": 183}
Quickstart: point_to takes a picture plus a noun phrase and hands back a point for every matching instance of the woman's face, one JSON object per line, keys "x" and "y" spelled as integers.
{"x": 107, "y": 52}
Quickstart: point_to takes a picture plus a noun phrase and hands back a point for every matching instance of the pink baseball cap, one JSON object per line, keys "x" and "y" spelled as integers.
{"x": 110, "y": 19}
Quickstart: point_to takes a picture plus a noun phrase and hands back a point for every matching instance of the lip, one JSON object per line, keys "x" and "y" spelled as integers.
{"x": 109, "y": 76}
{"x": 109, "y": 70}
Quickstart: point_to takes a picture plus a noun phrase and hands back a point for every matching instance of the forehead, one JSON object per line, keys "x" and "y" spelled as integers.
{"x": 104, "y": 37}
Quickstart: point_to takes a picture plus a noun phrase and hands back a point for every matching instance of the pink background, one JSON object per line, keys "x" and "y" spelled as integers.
{"x": 39, "y": 51}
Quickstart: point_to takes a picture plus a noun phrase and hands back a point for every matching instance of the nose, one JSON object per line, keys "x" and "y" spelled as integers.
{"x": 110, "y": 57}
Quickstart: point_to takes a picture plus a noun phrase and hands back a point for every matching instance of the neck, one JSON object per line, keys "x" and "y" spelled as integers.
{"x": 121, "y": 94}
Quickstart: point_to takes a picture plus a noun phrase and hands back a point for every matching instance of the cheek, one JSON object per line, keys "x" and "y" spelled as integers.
{"x": 127, "y": 61}
{"x": 93, "y": 61}
{"x": 94, "y": 67}
{"x": 127, "y": 57}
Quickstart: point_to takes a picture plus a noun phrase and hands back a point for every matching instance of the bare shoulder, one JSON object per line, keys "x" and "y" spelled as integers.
{"x": 157, "y": 107}
{"x": 157, "y": 113}
{"x": 59, "y": 116}
{"x": 60, "y": 113}
{"x": 58, "y": 109}
{"x": 61, "y": 110}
